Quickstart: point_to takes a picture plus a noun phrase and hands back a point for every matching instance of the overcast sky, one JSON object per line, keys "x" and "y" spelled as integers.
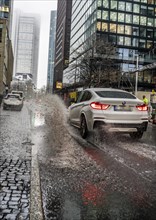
{"x": 43, "y": 8}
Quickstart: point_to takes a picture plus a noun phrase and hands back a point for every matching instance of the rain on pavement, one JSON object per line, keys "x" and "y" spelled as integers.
{"x": 80, "y": 181}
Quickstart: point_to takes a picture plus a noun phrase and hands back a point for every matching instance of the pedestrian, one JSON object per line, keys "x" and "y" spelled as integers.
{"x": 145, "y": 100}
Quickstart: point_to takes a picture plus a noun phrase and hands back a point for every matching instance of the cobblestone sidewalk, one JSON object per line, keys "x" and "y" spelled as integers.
{"x": 15, "y": 165}
{"x": 15, "y": 189}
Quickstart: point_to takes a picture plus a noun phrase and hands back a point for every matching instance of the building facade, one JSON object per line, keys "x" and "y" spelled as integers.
{"x": 51, "y": 52}
{"x": 129, "y": 25}
{"x": 6, "y": 52}
{"x": 62, "y": 42}
{"x": 27, "y": 48}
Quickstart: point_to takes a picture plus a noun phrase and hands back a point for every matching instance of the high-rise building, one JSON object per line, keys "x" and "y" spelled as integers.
{"x": 62, "y": 43}
{"x": 129, "y": 25}
{"x": 27, "y": 48}
{"x": 51, "y": 53}
{"x": 6, "y": 52}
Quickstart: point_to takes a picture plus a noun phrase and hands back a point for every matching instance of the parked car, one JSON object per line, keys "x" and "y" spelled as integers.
{"x": 116, "y": 110}
{"x": 13, "y": 102}
{"x": 18, "y": 93}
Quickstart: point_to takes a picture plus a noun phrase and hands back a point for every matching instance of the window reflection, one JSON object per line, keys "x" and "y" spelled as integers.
{"x": 105, "y": 15}
{"x": 127, "y": 41}
{"x": 113, "y": 4}
{"x": 143, "y": 20}
{"x": 136, "y": 19}
{"x": 136, "y": 8}
{"x": 120, "y": 40}
{"x": 105, "y": 3}
{"x": 128, "y": 30}
{"x": 120, "y": 29}
{"x": 121, "y": 6}
{"x": 113, "y": 16}
{"x": 113, "y": 28}
{"x": 128, "y": 18}
{"x": 104, "y": 26}
{"x": 121, "y": 17}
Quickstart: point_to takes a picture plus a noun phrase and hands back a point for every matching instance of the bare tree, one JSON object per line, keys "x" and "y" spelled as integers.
{"x": 94, "y": 65}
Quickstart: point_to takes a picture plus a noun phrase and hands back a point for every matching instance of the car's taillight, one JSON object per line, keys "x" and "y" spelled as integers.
{"x": 142, "y": 107}
{"x": 99, "y": 106}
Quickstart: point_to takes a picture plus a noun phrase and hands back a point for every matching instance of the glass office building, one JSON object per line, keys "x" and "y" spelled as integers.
{"x": 51, "y": 53}
{"x": 129, "y": 25}
{"x": 27, "y": 48}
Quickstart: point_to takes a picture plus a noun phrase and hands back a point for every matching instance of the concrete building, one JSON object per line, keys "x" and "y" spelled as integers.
{"x": 6, "y": 53}
{"x": 62, "y": 44}
{"x": 129, "y": 25}
{"x": 51, "y": 53}
{"x": 27, "y": 47}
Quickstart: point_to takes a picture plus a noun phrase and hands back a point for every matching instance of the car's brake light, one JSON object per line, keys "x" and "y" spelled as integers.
{"x": 99, "y": 106}
{"x": 142, "y": 107}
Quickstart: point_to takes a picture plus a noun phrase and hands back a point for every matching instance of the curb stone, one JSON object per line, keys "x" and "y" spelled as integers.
{"x": 36, "y": 210}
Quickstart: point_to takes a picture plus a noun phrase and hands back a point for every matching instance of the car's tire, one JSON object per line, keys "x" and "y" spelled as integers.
{"x": 83, "y": 127}
{"x": 136, "y": 135}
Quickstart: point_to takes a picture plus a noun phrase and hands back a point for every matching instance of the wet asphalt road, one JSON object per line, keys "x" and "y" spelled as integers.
{"x": 79, "y": 181}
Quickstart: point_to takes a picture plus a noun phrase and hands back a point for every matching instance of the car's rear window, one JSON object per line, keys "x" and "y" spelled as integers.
{"x": 115, "y": 94}
{"x": 13, "y": 96}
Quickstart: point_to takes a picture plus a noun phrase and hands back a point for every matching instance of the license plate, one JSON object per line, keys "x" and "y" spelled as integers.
{"x": 122, "y": 108}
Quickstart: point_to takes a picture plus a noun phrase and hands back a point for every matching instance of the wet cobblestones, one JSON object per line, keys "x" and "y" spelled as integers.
{"x": 15, "y": 164}
{"x": 15, "y": 189}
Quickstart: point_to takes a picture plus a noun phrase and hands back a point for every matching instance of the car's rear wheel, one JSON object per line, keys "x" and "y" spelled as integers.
{"x": 136, "y": 135}
{"x": 83, "y": 127}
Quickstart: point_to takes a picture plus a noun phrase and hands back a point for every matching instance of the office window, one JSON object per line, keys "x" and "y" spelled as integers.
{"x": 99, "y": 14}
{"x": 142, "y": 32}
{"x": 136, "y": 19}
{"x": 149, "y": 33}
{"x": 113, "y": 28}
{"x": 136, "y": 8}
{"x": 105, "y": 3}
{"x": 112, "y": 38}
{"x": 105, "y": 15}
{"x": 143, "y": 10}
{"x": 120, "y": 40}
{"x": 150, "y": 11}
{"x": 128, "y": 18}
{"x": 135, "y": 42}
{"x": 113, "y": 16}
{"x": 120, "y": 29}
{"x": 143, "y": 20}
{"x": 113, "y": 4}
{"x": 121, "y": 17}
{"x": 128, "y": 6}
{"x": 99, "y": 3}
{"x": 150, "y": 22}
{"x": 149, "y": 44}
{"x": 98, "y": 26}
{"x": 128, "y": 30}
{"x": 104, "y": 26}
{"x": 142, "y": 43}
{"x": 135, "y": 31}
{"x": 127, "y": 41}
{"x": 121, "y": 6}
